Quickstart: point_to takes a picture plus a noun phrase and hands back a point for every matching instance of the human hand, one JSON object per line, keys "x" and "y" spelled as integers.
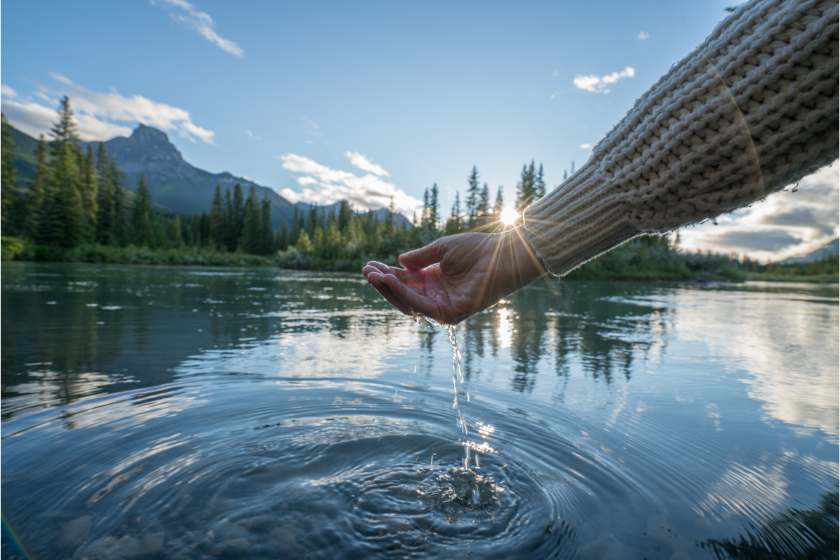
{"x": 457, "y": 276}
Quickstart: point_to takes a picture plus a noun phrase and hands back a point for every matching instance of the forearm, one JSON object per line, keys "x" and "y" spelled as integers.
{"x": 751, "y": 110}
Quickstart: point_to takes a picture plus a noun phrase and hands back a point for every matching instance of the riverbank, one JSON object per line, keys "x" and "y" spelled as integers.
{"x": 15, "y": 249}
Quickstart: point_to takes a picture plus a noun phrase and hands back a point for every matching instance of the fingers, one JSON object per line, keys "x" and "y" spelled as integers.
{"x": 410, "y": 298}
{"x": 425, "y": 256}
{"x": 375, "y": 280}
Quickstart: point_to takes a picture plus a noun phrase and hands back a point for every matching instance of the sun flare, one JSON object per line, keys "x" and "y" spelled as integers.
{"x": 509, "y": 216}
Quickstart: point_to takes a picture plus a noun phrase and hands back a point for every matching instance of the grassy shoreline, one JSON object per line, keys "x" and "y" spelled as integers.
{"x": 640, "y": 261}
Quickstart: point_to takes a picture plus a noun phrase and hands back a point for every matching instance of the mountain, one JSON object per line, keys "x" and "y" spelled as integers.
{"x": 827, "y": 250}
{"x": 175, "y": 184}
{"x": 381, "y": 214}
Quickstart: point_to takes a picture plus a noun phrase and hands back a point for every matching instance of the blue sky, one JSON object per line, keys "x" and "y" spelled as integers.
{"x": 359, "y": 100}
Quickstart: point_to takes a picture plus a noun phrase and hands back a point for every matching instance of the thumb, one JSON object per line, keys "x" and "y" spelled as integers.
{"x": 431, "y": 254}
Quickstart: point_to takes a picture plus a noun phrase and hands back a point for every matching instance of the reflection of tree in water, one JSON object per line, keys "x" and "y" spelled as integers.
{"x": 791, "y": 534}
{"x": 591, "y": 323}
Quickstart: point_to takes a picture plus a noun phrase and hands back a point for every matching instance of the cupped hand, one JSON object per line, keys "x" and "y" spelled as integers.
{"x": 457, "y": 276}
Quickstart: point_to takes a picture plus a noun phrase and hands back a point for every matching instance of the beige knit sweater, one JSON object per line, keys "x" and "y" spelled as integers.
{"x": 752, "y": 110}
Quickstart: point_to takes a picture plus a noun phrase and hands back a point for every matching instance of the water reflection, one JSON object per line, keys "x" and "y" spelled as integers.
{"x": 295, "y": 413}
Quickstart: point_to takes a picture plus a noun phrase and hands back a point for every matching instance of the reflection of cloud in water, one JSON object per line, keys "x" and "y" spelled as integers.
{"x": 788, "y": 344}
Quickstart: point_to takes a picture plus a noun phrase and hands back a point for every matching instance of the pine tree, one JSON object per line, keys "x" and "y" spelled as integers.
{"x": 105, "y": 215}
{"x": 141, "y": 217}
{"x": 473, "y": 197}
{"x": 500, "y": 202}
{"x": 229, "y": 234}
{"x": 251, "y": 230}
{"x": 217, "y": 218}
{"x": 453, "y": 224}
{"x": 344, "y": 215}
{"x": 573, "y": 167}
{"x": 390, "y": 223}
{"x": 64, "y": 131}
{"x": 119, "y": 228}
{"x": 176, "y": 237}
{"x": 313, "y": 222}
{"x": 525, "y": 187}
{"x": 88, "y": 188}
{"x": 64, "y": 224}
{"x": 433, "y": 209}
{"x": 539, "y": 185}
{"x": 283, "y": 237}
{"x": 10, "y": 195}
{"x": 39, "y": 189}
{"x": 238, "y": 214}
{"x": 267, "y": 247}
{"x": 295, "y": 229}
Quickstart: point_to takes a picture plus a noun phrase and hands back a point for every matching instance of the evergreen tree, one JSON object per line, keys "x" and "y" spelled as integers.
{"x": 64, "y": 131}
{"x": 88, "y": 187}
{"x": 176, "y": 237}
{"x": 238, "y": 214}
{"x": 539, "y": 185}
{"x": 64, "y": 222}
{"x": 565, "y": 174}
{"x": 229, "y": 221}
{"x": 295, "y": 230}
{"x": 8, "y": 177}
{"x": 39, "y": 189}
{"x": 217, "y": 218}
{"x": 484, "y": 200}
{"x": 500, "y": 202}
{"x": 473, "y": 197}
{"x": 267, "y": 247}
{"x": 105, "y": 215}
{"x": 344, "y": 216}
{"x": 283, "y": 237}
{"x": 433, "y": 209}
{"x": 453, "y": 224}
{"x": 119, "y": 227}
{"x": 525, "y": 188}
{"x": 573, "y": 167}
{"x": 313, "y": 221}
{"x": 141, "y": 217}
{"x": 390, "y": 223}
{"x": 251, "y": 230}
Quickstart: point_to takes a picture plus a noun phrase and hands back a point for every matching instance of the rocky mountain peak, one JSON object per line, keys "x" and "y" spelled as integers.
{"x": 147, "y": 149}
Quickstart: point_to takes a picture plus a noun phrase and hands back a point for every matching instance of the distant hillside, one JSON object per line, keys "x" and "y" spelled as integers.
{"x": 381, "y": 214}
{"x": 827, "y": 250}
{"x": 175, "y": 185}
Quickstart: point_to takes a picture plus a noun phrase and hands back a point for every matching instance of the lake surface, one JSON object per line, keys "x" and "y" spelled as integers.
{"x": 157, "y": 412}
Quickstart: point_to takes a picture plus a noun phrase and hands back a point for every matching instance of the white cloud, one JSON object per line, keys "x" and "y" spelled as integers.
{"x": 586, "y": 146}
{"x": 101, "y": 116}
{"x": 600, "y": 84}
{"x": 313, "y": 125}
{"x": 252, "y": 135}
{"x": 553, "y": 95}
{"x": 643, "y": 35}
{"x": 323, "y": 185}
{"x": 365, "y": 164}
{"x": 784, "y": 225}
{"x": 200, "y": 22}
{"x": 6, "y": 91}
{"x": 555, "y": 73}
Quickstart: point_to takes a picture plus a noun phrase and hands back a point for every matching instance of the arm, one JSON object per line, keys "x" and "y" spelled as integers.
{"x": 750, "y": 111}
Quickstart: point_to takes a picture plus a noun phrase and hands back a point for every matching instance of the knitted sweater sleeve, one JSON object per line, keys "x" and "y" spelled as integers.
{"x": 753, "y": 109}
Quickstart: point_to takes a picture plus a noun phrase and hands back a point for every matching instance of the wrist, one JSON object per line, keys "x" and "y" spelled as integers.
{"x": 524, "y": 260}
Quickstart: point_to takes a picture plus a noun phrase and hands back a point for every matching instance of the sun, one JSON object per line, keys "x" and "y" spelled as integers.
{"x": 509, "y": 216}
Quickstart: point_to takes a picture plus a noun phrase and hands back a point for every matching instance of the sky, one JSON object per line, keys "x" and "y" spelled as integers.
{"x": 372, "y": 100}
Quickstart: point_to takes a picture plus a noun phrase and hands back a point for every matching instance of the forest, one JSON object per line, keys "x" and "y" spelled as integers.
{"x": 76, "y": 207}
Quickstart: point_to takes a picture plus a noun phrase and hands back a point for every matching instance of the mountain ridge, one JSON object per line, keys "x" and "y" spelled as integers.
{"x": 175, "y": 185}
